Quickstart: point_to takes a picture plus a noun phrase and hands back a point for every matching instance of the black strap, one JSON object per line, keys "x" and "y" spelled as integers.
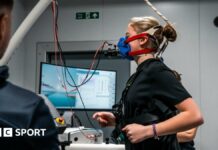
{"x": 164, "y": 109}
{"x": 148, "y": 118}
{"x": 118, "y": 109}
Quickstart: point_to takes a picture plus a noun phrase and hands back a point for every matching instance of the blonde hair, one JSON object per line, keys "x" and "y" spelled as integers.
{"x": 142, "y": 24}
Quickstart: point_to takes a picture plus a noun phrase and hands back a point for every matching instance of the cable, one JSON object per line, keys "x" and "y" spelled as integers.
{"x": 159, "y": 13}
{"x": 86, "y": 79}
{"x": 83, "y": 104}
{"x": 162, "y": 49}
{"x": 63, "y": 62}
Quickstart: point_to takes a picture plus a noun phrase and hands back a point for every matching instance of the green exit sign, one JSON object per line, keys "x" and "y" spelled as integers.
{"x": 80, "y": 15}
{"x": 93, "y": 15}
{"x": 87, "y": 15}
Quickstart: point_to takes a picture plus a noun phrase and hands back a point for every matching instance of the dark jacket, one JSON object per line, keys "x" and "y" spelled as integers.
{"x": 22, "y": 109}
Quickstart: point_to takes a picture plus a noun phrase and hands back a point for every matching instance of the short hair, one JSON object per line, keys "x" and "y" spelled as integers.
{"x": 6, "y": 3}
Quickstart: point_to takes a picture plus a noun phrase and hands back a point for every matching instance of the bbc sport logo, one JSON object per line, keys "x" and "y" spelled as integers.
{"x": 6, "y": 132}
{"x": 10, "y": 132}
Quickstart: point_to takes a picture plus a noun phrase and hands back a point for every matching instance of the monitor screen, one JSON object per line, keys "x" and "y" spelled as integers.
{"x": 97, "y": 94}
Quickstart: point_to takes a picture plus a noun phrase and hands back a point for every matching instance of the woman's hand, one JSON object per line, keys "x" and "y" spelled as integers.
{"x": 105, "y": 118}
{"x": 137, "y": 133}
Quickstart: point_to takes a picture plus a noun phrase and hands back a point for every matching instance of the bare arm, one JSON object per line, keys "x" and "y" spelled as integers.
{"x": 189, "y": 117}
{"x": 105, "y": 118}
{"x": 186, "y": 136}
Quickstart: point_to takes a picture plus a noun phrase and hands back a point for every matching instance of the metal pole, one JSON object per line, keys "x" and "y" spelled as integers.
{"x": 23, "y": 29}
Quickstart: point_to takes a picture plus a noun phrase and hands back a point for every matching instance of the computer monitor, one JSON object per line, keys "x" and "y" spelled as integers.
{"x": 97, "y": 94}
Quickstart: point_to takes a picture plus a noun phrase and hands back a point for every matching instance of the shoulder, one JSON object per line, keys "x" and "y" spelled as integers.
{"x": 18, "y": 105}
{"x": 25, "y": 98}
{"x": 19, "y": 94}
{"x": 156, "y": 68}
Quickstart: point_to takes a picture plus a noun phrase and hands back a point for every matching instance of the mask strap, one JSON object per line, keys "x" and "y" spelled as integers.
{"x": 138, "y": 36}
{"x": 148, "y": 33}
{"x": 143, "y": 51}
{"x": 141, "y": 35}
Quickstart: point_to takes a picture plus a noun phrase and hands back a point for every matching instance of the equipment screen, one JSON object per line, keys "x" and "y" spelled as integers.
{"x": 78, "y": 88}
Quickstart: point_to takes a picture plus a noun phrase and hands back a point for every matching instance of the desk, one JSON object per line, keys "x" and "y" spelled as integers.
{"x": 95, "y": 147}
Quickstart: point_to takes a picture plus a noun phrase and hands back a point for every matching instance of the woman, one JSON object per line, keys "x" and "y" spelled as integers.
{"x": 152, "y": 95}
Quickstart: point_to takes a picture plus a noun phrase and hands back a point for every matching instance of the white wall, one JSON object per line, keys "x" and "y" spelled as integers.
{"x": 16, "y": 64}
{"x": 193, "y": 54}
{"x": 209, "y": 73}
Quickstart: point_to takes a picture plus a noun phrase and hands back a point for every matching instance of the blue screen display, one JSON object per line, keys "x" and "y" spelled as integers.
{"x": 97, "y": 94}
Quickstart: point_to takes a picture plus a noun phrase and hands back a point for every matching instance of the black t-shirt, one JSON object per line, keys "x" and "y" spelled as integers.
{"x": 153, "y": 82}
{"x": 187, "y": 145}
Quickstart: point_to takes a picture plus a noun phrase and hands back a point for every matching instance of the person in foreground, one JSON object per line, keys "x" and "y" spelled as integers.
{"x": 19, "y": 108}
{"x": 146, "y": 114}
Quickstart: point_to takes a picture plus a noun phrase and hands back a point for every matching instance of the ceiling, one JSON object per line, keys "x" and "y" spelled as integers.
{"x": 31, "y": 3}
